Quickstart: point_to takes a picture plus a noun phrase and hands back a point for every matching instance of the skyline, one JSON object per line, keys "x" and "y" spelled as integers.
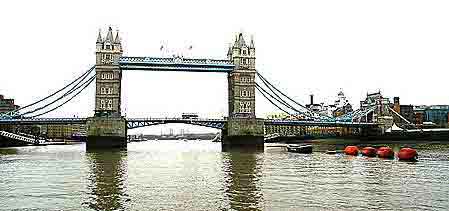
{"x": 326, "y": 52}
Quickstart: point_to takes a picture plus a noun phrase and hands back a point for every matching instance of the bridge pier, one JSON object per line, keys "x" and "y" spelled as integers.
{"x": 106, "y": 133}
{"x": 243, "y": 133}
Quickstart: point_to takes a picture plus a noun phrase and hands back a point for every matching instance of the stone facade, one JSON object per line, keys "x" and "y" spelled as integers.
{"x": 7, "y": 105}
{"x": 108, "y": 75}
{"x": 106, "y": 132}
{"x": 242, "y": 127}
{"x": 241, "y": 81}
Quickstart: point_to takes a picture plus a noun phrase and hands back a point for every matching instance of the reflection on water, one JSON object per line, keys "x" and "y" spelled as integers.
{"x": 108, "y": 179}
{"x": 243, "y": 174}
{"x": 197, "y": 175}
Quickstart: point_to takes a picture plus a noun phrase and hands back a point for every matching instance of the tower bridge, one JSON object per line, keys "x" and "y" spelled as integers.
{"x": 108, "y": 128}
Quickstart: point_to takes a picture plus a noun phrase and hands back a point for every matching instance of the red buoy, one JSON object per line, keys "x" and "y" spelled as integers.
{"x": 369, "y": 151}
{"x": 407, "y": 154}
{"x": 351, "y": 150}
{"x": 385, "y": 152}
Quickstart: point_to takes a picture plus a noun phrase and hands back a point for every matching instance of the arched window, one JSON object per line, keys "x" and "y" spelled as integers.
{"x": 102, "y": 104}
{"x": 109, "y": 104}
{"x": 102, "y": 90}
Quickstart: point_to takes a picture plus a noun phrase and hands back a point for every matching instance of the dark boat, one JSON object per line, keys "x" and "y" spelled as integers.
{"x": 305, "y": 149}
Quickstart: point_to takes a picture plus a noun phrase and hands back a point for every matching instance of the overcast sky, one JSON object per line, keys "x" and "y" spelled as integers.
{"x": 304, "y": 47}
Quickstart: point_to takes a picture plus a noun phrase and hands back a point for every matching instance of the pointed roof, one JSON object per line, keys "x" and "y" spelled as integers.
{"x": 117, "y": 38}
{"x": 241, "y": 40}
{"x": 109, "y": 36}
{"x": 251, "y": 44}
{"x": 99, "y": 39}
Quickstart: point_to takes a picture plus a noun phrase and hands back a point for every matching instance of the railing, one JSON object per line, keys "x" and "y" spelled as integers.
{"x": 174, "y": 119}
{"x": 340, "y": 123}
{"x": 38, "y": 120}
{"x": 21, "y": 138}
{"x": 176, "y": 60}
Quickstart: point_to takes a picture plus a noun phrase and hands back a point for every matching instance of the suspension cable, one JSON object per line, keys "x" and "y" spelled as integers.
{"x": 257, "y": 87}
{"x": 76, "y": 94}
{"x": 280, "y": 98}
{"x": 265, "y": 80}
{"x": 283, "y": 103}
{"x": 83, "y": 76}
{"x": 76, "y": 87}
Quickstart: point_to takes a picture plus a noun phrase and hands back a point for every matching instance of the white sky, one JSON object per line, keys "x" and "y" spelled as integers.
{"x": 399, "y": 47}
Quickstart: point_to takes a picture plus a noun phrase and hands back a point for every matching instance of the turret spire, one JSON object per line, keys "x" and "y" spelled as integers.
{"x": 251, "y": 45}
{"x": 99, "y": 39}
{"x": 117, "y": 38}
{"x": 241, "y": 40}
{"x": 109, "y": 36}
{"x": 236, "y": 42}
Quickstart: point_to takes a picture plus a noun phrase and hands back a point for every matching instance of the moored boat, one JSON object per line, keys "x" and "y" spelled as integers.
{"x": 306, "y": 149}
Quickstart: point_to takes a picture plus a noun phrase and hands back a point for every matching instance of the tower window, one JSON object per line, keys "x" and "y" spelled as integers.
{"x": 248, "y": 107}
{"x": 110, "y": 90}
{"x": 244, "y": 93}
{"x": 102, "y": 90}
{"x": 102, "y": 104}
{"x": 109, "y": 104}
{"x": 108, "y": 47}
{"x": 245, "y": 107}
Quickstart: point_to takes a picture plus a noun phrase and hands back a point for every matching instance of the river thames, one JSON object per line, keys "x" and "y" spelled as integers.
{"x": 197, "y": 175}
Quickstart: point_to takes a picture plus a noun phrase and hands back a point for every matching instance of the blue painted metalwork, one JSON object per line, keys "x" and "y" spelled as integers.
{"x": 320, "y": 123}
{"x": 175, "y": 64}
{"x": 30, "y": 121}
{"x": 133, "y": 123}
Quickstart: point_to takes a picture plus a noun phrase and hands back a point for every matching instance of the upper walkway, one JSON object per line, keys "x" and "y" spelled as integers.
{"x": 175, "y": 64}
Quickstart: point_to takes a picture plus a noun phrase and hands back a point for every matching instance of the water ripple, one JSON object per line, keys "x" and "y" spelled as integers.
{"x": 182, "y": 175}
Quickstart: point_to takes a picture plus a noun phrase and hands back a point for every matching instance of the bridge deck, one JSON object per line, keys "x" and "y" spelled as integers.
{"x": 213, "y": 123}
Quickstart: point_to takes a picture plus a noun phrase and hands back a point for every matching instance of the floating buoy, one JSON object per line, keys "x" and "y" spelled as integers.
{"x": 385, "y": 152}
{"x": 407, "y": 154}
{"x": 351, "y": 150}
{"x": 369, "y": 151}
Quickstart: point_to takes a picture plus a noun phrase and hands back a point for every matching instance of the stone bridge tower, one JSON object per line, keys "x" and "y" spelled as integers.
{"x": 242, "y": 129}
{"x": 107, "y": 129}
{"x": 108, "y": 75}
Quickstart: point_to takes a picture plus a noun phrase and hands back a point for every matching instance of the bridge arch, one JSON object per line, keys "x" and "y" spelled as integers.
{"x": 145, "y": 122}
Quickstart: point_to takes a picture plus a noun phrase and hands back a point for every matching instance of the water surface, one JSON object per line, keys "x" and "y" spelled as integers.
{"x": 197, "y": 175}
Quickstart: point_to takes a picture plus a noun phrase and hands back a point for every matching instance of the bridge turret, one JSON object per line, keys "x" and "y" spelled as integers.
{"x": 241, "y": 79}
{"x": 99, "y": 41}
{"x": 109, "y": 75}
